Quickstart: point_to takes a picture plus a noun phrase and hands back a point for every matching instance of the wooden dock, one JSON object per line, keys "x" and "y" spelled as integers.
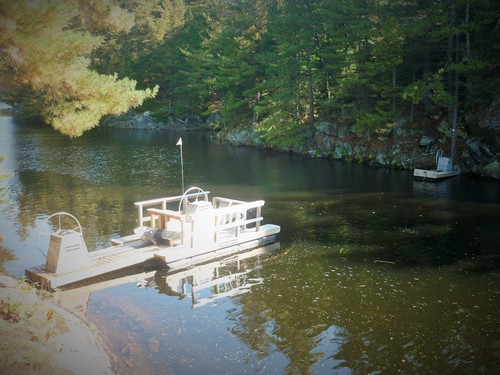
{"x": 433, "y": 174}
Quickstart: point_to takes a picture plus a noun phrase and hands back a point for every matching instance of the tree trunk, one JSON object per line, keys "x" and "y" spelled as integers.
{"x": 449, "y": 59}
{"x": 412, "y": 108}
{"x": 394, "y": 89}
{"x": 311, "y": 90}
{"x": 454, "y": 118}
{"x": 395, "y": 139}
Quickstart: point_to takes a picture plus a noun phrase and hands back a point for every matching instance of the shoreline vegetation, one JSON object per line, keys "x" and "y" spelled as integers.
{"x": 42, "y": 337}
{"x": 405, "y": 148}
{"x": 387, "y": 84}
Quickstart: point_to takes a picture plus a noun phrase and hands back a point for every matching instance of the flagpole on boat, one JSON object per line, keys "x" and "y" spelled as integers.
{"x": 179, "y": 143}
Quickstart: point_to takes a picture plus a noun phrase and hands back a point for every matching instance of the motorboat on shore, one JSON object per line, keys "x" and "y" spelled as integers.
{"x": 179, "y": 231}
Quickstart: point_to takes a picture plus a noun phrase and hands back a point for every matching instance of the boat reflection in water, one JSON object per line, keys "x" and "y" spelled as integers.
{"x": 208, "y": 282}
{"x": 203, "y": 283}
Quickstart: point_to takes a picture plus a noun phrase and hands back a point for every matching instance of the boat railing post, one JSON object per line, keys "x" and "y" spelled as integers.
{"x": 141, "y": 216}
{"x": 258, "y": 214}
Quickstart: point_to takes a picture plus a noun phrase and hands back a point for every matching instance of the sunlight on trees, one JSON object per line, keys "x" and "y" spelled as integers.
{"x": 279, "y": 66}
{"x": 45, "y": 63}
{"x": 275, "y": 66}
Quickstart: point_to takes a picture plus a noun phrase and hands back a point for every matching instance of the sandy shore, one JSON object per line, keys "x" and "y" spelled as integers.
{"x": 38, "y": 336}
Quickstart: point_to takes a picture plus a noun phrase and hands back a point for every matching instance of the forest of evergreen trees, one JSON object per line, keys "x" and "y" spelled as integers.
{"x": 275, "y": 65}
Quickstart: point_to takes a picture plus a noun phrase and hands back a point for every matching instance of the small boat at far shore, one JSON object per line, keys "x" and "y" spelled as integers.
{"x": 179, "y": 231}
{"x": 433, "y": 174}
{"x": 444, "y": 169}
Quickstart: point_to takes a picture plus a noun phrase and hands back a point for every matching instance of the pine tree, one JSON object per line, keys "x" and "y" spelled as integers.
{"x": 45, "y": 62}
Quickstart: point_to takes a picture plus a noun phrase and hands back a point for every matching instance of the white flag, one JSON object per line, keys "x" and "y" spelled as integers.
{"x": 179, "y": 142}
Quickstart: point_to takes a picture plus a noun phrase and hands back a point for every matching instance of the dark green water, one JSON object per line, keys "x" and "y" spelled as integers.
{"x": 376, "y": 273}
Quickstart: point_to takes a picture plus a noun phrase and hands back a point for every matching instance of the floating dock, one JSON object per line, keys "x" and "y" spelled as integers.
{"x": 433, "y": 174}
{"x": 444, "y": 169}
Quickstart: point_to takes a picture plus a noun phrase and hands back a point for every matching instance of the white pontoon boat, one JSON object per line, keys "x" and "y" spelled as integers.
{"x": 180, "y": 231}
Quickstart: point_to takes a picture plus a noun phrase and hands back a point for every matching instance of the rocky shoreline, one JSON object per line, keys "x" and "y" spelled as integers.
{"x": 41, "y": 337}
{"x": 405, "y": 147}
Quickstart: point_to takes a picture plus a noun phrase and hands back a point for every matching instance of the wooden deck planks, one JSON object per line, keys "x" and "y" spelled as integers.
{"x": 101, "y": 264}
{"x": 122, "y": 256}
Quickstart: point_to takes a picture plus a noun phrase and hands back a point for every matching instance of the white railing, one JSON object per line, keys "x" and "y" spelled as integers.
{"x": 159, "y": 203}
{"x": 231, "y": 216}
{"x": 234, "y": 215}
{"x": 227, "y": 214}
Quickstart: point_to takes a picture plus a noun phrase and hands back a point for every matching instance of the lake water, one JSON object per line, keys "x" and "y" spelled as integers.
{"x": 374, "y": 273}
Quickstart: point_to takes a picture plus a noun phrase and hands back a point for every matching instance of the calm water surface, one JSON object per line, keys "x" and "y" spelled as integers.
{"x": 375, "y": 273}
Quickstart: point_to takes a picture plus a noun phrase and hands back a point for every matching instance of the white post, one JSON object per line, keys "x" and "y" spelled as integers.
{"x": 179, "y": 143}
